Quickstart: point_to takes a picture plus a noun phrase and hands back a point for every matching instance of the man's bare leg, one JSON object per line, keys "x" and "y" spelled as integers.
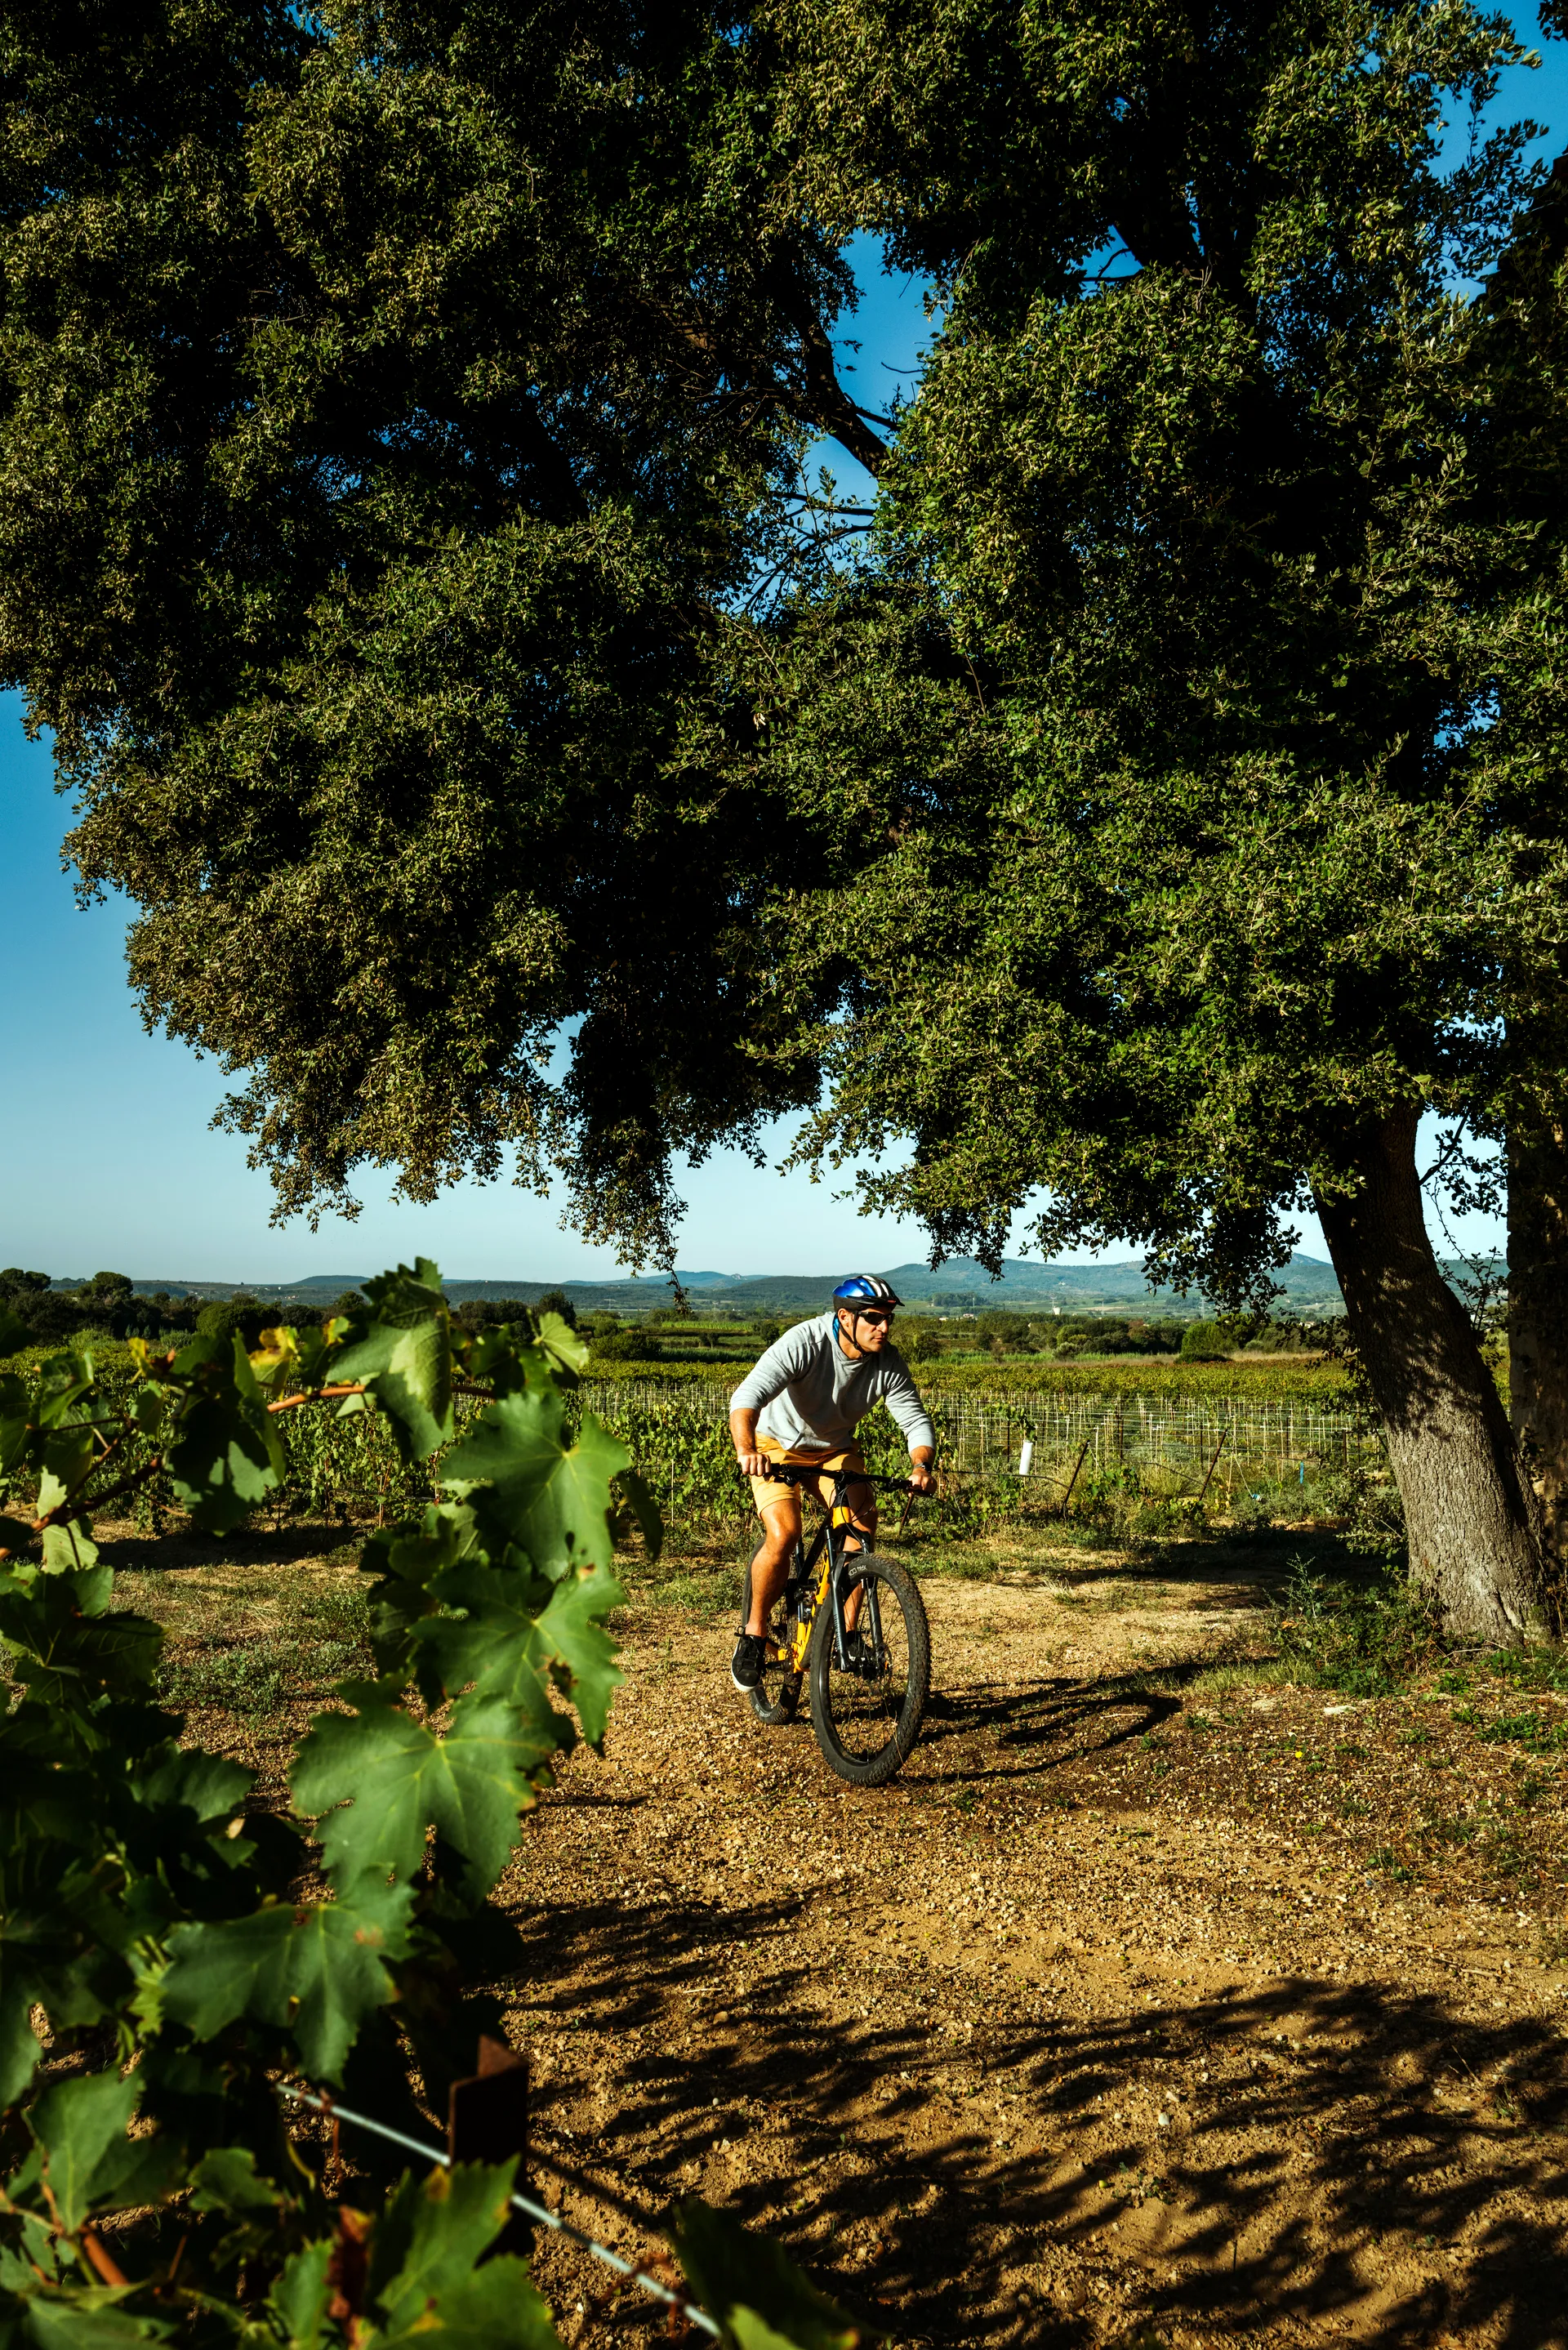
{"x": 770, "y": 1568}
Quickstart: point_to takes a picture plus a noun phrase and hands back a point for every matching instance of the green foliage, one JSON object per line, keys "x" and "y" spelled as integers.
{"x": 753, "y": 2289}
{"x": 226, "y": 1319}
{"x": 1201, "y": 679}
{"x": 32, "y": 1314}
{"x": 1365, "y": 1637}
{"x": 555, "y": 1301}
{"x": 632, "y": 1345}
{"x": 1205, "y": 1342}
{"x": 482, "y": 350}
{"x": 1148, "y": 937}
{"x": 150, "y": 1908}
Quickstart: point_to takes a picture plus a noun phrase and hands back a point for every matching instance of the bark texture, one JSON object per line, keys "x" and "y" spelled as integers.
{"x": 1472, "y": 1521}
{"x": 1538, "y": 1320}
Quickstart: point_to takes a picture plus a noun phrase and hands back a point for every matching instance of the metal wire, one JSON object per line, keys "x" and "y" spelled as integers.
{"x": 524, "y": 2203}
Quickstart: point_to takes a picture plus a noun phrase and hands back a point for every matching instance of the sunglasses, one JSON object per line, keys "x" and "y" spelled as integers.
{"x": 885, "y": 1319}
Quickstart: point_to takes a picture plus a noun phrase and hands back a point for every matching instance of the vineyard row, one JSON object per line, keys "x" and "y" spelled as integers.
{"x": 1162, "y": 1448}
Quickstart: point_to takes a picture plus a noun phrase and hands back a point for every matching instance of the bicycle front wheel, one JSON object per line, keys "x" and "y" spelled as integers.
{"x": 868, "y": 1705}
{"x": 777, "y": 1694}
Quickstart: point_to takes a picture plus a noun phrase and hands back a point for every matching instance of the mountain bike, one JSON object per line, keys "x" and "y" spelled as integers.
{"x": 856, "y": 1624}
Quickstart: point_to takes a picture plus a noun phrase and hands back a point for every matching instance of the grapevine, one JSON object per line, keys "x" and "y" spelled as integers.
{"x": 172, "y": 1949}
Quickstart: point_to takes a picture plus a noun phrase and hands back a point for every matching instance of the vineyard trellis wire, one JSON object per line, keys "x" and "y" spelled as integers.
{"x": 334, "y": 2109}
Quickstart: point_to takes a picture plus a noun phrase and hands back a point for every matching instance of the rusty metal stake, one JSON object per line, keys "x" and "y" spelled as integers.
{"x": 1076, "y": 1466}
{"x": 1214, "y": 1464}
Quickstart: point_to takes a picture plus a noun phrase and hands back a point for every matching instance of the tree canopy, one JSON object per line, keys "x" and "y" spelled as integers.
{"x": 404, "y": 424}
{"x": 398, "y": 407}
{"x": 1223, "y": 826}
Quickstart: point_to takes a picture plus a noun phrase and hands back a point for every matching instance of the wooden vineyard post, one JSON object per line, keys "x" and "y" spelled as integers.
{"x": 487, "y": 2121}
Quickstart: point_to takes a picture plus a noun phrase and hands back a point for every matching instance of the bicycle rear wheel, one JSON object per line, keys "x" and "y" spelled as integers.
{"x": 777, "y": 1694}
{"x": 866, "y": 1710}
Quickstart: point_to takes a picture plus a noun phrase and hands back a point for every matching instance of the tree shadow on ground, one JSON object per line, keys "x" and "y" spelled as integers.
{"x": 181, "y": 1548}
{"x": 1361, "y": 2168}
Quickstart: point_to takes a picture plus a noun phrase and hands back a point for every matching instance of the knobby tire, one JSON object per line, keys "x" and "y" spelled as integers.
{"x": 848, "y": 1713}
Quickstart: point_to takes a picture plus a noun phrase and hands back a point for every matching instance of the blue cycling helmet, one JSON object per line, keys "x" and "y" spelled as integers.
{"x": 866, "y": 1289}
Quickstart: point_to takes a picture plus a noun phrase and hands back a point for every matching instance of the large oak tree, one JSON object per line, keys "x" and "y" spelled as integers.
{"x": 403, "y": 421}
{"x": 1206, "y": 681}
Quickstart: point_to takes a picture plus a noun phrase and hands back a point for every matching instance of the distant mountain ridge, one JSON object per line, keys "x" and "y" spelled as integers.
{"x": 959, "y": 1287}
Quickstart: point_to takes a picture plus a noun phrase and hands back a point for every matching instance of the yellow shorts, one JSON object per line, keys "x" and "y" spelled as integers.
{"x": 765, "y": 1493}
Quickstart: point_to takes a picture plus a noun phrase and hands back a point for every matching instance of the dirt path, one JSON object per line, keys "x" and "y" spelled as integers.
{"x": 1155, "y": 2001}
{"x": 1096, "y": 2026}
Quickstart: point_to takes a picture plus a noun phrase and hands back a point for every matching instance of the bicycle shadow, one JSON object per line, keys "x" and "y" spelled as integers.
{"x": 1041, "y": 1714}
{"x": 842, "y": 2130}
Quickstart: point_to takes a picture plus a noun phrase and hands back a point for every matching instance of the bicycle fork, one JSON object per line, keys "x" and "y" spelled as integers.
{"x": 869, "y": 1623}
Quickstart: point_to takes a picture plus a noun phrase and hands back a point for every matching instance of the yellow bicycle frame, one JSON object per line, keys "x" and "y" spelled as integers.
{"x": 793, "y": 1654}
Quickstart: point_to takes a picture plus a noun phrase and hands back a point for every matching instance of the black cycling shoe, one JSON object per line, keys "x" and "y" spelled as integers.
{"x": 859, "y": 1653}
{"x": 746, "y": 1664}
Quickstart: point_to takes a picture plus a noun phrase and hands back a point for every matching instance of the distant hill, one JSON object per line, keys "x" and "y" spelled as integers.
{"x": 959, "y": 1287}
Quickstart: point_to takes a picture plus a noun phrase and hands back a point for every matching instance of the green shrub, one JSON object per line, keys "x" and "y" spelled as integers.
{"x": 48, "y": 1315}
{"x": 632, "y": 1345}
{"x": 1364, "y": 1634}
{"x": 240, "y": 1316}
{"x": 1204, "y": 1342}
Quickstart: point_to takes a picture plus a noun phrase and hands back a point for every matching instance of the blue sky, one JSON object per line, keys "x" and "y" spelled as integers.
{"x": 109, "y": 1157}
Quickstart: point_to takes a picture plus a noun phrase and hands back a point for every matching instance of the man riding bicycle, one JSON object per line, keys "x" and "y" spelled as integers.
{"x": 799, "y": 1406}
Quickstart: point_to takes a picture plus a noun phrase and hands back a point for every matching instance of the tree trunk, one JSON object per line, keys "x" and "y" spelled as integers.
{"x": 1472, "y": 1522}
{"x": 1538, "y": 1320}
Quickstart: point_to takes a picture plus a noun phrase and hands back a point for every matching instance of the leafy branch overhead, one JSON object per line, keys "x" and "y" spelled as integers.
{"x": 482, "y": 352}
{"x": 152, "y": 1907}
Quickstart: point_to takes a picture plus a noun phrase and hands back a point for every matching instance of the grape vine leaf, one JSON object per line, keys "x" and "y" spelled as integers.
{"x": 227, "y": 1457}
{"x": 65, "y": 1643}
{"x": 67, "y": 1459}
{"x": 81, "y": 2127}
{"x": 566, "y": 1347}
{"x": 526, "y": 1485}
{"x": 390, "y": 1778}
{"x": 572, "y": 1634}
{"x": 87, "y": 2321}
{"x": 302, "y": 2294}
{"x": 750, "y": 2284}
{"x": 319, "y": 1972}
{"x": 506, "y": 1650}
{"x": 634, "y": 1490}
{"x": 226, "y": 2179}
{"x": 405, "y": 1355}
{"x": 69, "y": 1545}
{"x": 409, "y": 1370}
{"x": 21, "y": 1989}
{"x": 424, "y": 2273}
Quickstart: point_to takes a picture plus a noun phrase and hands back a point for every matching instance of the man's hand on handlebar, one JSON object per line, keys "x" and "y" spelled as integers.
{"x": 753, "y": 1464}
{"x": 920, "y": 1477}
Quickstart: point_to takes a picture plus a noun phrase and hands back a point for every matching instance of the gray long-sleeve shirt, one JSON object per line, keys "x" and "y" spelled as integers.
{"x": 809, "y": 1394}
